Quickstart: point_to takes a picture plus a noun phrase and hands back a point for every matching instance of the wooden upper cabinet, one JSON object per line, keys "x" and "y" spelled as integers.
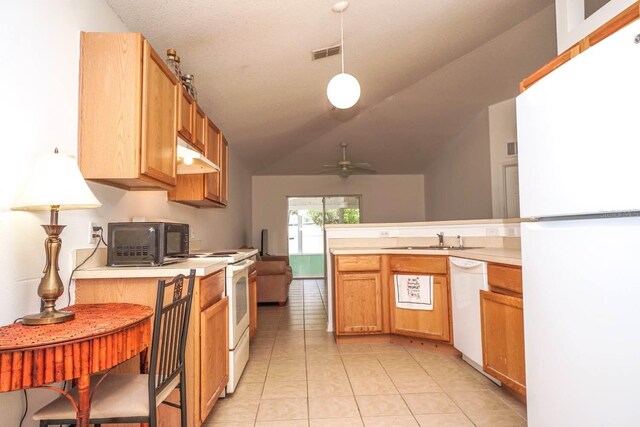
{"x": 505, "y": 279}
{"x": 224, "y": 172}
{"x": 200, "y": 127}
{"x": 159, "y": 110}
{"x": 358, "y": 263}
{"x": 128, "y": 104}
{"x": 186, "y": 116}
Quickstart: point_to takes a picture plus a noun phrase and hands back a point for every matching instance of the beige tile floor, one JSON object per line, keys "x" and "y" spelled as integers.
{"x": 298, "y": 376}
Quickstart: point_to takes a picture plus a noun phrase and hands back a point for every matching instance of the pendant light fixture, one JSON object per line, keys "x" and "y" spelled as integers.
{"x": 343, "y": 89}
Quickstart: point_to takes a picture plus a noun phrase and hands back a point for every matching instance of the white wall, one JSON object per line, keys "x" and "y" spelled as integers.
{"x": 571, "y": 26}
{"x": 457, "y": 181}
{"x": 385, "y": 198}
{"x": 502, "y": 129}
{"x": 39, "y": 112}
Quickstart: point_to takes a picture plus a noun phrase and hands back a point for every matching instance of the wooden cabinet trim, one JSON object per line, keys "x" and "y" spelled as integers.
{"x": 621, "y": 20}
{"x": 556, "y": 62}
{"x": 211, "y": 289}
{"x": 505, "y": 277}
{"x": 347, "y": 263}
{"x": 199, "y": 127}
{"x": 418, "y": 264}
{"x": 224, "y": 171}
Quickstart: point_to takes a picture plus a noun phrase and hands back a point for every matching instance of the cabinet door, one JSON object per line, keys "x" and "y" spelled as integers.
{"x": 159, "y": 113}
{"x": 433, "y": 324}
{"x": 503, "y": 338}
{"x": 224, "y": 176}
{"x": 359, "y": 303}
{"x": 212, "y": 151}
{"x": 214, "y": 354}
{"x": 186, "y": 120}
{"x": 200, "y": 127}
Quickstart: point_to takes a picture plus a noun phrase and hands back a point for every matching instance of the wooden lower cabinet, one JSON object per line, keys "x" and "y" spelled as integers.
{"x": 359, "y": 303}
{"x": 503, "y": 339}
{"x": 207, "y": 337}
{"x": 253, "y": 303}
{"x": 432, "y": 324}
{"x": 214, "y": 354}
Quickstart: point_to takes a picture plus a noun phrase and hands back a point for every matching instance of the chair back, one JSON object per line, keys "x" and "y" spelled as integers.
{"x": 170, "y": 328}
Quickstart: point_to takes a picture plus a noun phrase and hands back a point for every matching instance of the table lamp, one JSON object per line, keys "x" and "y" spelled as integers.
{"x": 55, "y": 184}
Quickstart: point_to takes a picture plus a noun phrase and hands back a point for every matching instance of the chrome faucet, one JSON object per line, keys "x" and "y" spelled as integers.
{"x": 440, "y": 239}
{"x": 460, "y": 242}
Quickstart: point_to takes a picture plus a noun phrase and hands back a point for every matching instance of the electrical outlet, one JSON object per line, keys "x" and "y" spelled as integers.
{"x": 94, "y": 232}
{"x": 492, "y": 231}
{"x": 384, "y": 233}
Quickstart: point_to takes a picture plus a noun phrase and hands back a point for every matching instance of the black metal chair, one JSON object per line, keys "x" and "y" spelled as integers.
{"x": 127, "y": 398}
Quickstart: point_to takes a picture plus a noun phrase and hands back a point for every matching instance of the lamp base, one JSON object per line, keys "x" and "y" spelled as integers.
{"x": 48, "y": 317}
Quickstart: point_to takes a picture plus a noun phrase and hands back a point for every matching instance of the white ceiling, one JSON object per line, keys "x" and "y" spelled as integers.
{"x": 426, "y": 67}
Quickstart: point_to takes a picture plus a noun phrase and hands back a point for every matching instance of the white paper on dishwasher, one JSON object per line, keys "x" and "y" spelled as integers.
{"x": 414, "y": 292}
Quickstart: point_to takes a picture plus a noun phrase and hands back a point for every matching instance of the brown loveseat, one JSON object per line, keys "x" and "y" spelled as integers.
{"x": 274, "y": 278}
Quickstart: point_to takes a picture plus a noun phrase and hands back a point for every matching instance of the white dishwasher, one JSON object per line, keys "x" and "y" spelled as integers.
{"x": 468, "y": 277}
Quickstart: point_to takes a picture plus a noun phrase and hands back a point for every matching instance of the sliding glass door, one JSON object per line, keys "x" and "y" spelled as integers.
{"x": 306, "y": 219}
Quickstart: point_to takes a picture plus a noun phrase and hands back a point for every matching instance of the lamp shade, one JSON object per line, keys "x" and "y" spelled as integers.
{"x": 343, "y": 91}
{"x": 55, "y": 181}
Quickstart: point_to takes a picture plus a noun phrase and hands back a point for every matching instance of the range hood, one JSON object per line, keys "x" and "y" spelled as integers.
{"x": 191, "y": 161}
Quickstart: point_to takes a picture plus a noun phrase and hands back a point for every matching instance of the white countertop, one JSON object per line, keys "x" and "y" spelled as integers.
{"x": 203, "y": 267}
{"x": 499, "y": 255}
{"x": 431, "y": 223}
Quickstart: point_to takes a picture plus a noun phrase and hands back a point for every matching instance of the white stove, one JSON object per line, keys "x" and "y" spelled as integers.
{"x": 237, "y": 289}
{"x": 232, "y": 256}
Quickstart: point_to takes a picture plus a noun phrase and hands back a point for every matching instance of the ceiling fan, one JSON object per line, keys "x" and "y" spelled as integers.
{"x": 345, "y": 168}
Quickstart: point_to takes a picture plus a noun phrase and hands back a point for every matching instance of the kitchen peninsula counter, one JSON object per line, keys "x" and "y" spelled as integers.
{"x": 203, "y": 267}
{"x": 497, "y": 255}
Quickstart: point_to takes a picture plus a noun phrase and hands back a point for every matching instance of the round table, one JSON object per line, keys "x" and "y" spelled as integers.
{"x": 100, "y": 337}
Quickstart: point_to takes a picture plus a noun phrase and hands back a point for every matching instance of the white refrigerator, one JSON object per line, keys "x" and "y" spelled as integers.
{"x": 579, "y": 160}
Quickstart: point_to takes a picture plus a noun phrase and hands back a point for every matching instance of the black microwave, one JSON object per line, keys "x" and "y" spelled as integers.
{"x": 146, "y": 243}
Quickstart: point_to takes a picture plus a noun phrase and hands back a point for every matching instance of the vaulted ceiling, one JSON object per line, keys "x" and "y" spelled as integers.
{"x": 426, "y": 67}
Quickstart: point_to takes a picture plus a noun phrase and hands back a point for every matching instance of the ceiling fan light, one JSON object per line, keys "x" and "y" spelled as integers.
{"x": 343, "y": 91}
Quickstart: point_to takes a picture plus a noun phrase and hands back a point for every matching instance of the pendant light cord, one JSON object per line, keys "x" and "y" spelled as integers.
{"x": 342, "y": 38}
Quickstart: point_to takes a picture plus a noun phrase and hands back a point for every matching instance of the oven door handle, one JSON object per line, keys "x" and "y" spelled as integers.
{"x": 240, "y": 266}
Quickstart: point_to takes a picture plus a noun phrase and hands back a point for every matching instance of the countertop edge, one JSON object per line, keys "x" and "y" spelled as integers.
{"x": 202, "y": 267}
{"x": 497, "y": 255}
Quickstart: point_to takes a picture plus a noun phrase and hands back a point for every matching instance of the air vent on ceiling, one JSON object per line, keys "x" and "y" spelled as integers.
{"x": 325, "y": 52}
